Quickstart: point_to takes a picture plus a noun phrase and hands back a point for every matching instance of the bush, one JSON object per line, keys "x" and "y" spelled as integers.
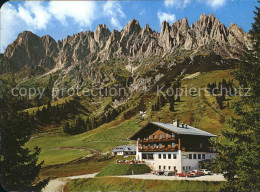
{"x": 124, "y": 169}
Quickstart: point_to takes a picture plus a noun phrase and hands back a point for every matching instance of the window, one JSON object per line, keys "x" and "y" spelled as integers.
{"x": 169, "y": 156}
{"x": 174, "y": 156}
{"x": 150, "y": 156}
{"x": 160, "y": 156}
{"x": 160, "y": 145}
{"x": 169, "y": 167}
{"x": 154, "y": 136}
{"x": 173, "y": 145}
{"x": 203, "y": 156}
{"x": 164, "y": 156}
{"x": 144, "y": 156}
{"x": 194, "y": 156}
{"x": 149, "y": 137}
{"x": 149, "y": 145}
{"x": 166, "y": 135}
{"x": 164, "y": 167}
{"x": 160, "y": 167}
{"x": 173, "y": 135}
{"x": 183, "y": 167}
{"x": 160, "y": 136}
{"x": 154, "y": 146}
{"x": 143, "y": 146}
{"x": 199, "y": 156}
{"x": 190, "y": 156}
{"x": 189, "y": 167}
{"x": 186, "y": 167}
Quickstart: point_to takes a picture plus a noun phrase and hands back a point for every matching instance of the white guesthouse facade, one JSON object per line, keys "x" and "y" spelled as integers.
{"x": 170, "y": 147}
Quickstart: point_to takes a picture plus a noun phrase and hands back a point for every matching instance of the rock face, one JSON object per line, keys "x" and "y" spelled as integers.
{"x": 41, "y": 54}
{"x": 207, "y": 34}
{"x": 32, "y": 51}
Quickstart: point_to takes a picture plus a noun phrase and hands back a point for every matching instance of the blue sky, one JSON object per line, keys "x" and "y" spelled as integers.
{"x": 59, "y": 19}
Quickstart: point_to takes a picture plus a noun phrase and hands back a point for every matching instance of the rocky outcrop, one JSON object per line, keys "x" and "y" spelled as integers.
{"x": 30, "y": 51}
{"x": 208, "y": 34}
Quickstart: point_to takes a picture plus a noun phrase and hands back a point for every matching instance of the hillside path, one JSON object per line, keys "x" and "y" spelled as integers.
{"x": 57, "y": 185}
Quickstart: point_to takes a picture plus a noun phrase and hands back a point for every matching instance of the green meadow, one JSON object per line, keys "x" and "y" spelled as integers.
{"x": 125, "y": 184}
{"x": 63, "y": 153}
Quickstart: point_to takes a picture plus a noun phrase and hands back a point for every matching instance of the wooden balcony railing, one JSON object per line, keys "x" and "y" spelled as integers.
{"x": 156, "y": 140}
{"x": 165, "y": 149}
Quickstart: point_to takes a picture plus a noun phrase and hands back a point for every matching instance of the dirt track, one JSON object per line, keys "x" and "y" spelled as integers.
{"x": 57, "y": 185}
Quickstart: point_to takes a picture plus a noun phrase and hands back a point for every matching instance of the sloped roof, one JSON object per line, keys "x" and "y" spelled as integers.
{"x": 189, "y": 130}
{"x": 124, "y": 148}
{"x": 184, "y": 131}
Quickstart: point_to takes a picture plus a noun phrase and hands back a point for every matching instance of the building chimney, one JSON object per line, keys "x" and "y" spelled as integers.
{"x": 176, "y": 122}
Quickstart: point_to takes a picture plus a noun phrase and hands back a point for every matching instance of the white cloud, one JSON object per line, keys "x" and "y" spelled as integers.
{"x": 34, "y": 14}
{"x": 185, "y": 3}
{"x": 29, "y": 16}
{"x": 216, "y": 3}
{"x": 9, "y": 24}
{"x": 170, "y": 18}
{"x": 177, "y": 3}
{"x": 114, "y": 10}
{"x": 82, "y": 12}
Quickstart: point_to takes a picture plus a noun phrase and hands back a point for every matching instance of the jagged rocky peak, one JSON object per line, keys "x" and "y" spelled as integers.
{"x": 50, "y": 45}
{"x": 27, "y": 35}
{"x": 32, "y": 52}
{"x": 48, "y": 39}
{"x": 207, "y": 34}
{"x": 184, "y": 25}
{"x": 236, "y": 30}
{"x": 206, "y": 21}
{"x": 25, "y": 39}
{"x": 165, "y": 27}
{"x": 101, "y": 33}
{"x": 133, "y": 25}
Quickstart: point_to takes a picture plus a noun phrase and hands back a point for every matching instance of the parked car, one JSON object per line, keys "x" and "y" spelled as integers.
{"x": 206, "y": 171}
{"x": 169, "y": 173}
{"x": 197, "y": 172}
{"x": 153, "y": 172}
{"x": 191, "y": 174}
{"x": 181, "y": 174}
{"x": 159, "y": 173}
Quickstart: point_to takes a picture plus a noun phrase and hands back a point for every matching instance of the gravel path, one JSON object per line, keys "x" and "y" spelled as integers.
{"x": 57, "y": 185}
{"x": 149, "y": 176}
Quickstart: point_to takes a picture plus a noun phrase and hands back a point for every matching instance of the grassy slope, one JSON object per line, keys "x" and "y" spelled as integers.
{"x": 92, "y": 165}
{"x": 125, "y": 184}
{"x": 64, "y": 148}
{"x": 123, "y": 169}
{"x": 199, "y": 111}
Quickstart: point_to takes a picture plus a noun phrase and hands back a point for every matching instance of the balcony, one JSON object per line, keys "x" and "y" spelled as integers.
{"x": 164, "y": 149}
{"x": 141, "y": 141}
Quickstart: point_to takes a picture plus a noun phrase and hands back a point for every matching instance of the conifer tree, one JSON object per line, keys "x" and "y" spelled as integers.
{"x": 239, "y": 159}
{"x": 19, "y": 165}
{"x": 171, "y": 108}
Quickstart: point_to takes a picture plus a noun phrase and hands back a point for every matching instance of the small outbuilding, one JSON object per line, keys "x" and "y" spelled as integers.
{"x": 124, "y": 150}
